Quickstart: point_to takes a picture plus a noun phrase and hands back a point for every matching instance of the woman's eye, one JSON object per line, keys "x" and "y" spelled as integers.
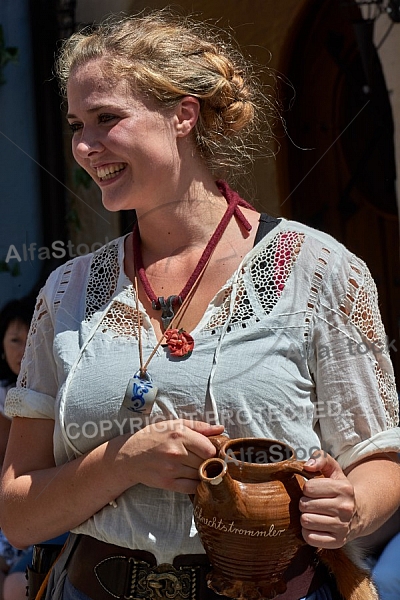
{"x": 74, "y": 127}
{"x": 105, "y": 118}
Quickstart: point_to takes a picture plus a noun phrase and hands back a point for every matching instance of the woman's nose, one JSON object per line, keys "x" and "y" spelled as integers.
{"x": 87, "y": 144}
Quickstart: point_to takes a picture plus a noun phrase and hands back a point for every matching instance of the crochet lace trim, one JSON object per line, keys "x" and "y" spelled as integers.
{"x": 360, "y": 305}
{"x": 269, "y": 271}
{"x": 103, "y": 279}
{"x": 40, "y": 313}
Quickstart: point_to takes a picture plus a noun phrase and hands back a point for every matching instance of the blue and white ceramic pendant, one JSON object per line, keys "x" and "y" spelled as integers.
{"x": 140, "y": 394}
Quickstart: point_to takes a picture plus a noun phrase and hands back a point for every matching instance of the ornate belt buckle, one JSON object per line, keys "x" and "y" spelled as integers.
{"x": 143, "y": 582}
{"x": 163, "y": 581}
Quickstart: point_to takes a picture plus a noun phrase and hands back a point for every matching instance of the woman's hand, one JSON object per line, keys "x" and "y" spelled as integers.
{"x": 328, "y": 507}
{"x": 169, "y": 453}
{"x": 163, "y": 455}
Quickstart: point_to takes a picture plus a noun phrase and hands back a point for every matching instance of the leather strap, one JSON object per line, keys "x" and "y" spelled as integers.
{"x": 265, "y": 225}
{"x": 106, "y": 572}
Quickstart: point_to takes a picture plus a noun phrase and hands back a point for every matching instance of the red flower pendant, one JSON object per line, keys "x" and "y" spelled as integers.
{"x": 179, "y": 342}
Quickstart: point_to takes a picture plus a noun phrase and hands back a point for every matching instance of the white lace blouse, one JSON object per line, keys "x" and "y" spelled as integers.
{"x": 291, "y": 348}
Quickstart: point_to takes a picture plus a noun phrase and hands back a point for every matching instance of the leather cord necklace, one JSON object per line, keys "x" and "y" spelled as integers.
{"x": 141, "y": 391}
{"x": 169, "y": 305}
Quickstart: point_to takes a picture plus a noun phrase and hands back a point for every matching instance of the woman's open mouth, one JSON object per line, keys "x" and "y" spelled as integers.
{"x": 109, "y": 171}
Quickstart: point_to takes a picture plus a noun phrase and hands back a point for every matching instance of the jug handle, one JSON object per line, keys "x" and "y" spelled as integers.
{"x": 219, "y": 441}
{"x": 297, "y": 467}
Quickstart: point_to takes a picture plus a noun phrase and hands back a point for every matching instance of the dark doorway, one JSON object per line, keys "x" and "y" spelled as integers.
{"x": 343, "y": 180}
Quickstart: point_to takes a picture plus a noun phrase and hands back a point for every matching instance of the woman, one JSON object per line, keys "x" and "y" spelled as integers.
{"x": 186, "y": 328}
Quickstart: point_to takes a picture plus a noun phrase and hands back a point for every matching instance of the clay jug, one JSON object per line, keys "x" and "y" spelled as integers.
{"x": 246, "y": 512}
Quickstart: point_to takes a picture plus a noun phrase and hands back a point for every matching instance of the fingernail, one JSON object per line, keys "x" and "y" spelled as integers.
{"x": 311, "y": 462}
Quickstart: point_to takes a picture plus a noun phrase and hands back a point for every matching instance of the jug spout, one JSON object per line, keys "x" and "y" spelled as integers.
{"x": 221, "y": 487}
{"x": 213, "y": 471}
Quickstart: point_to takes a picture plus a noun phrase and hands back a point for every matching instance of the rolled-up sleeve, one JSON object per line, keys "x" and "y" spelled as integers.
{"x": 37, "y": 385}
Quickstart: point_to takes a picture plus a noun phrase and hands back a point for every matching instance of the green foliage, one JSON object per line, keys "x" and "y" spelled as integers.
{"x": 73, "y": 220}
{"x": 7, "y": 55}
{"x": 82, "y": 177}
{"x": 13, "y": 269}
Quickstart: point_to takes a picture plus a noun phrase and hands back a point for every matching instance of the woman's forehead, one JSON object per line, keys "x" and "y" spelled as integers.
{"x": 95, "y": 71}
{"x": 89, "y": 86}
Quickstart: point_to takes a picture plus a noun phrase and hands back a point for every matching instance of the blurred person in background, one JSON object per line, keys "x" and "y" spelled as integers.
{"x": 15, "y": 318}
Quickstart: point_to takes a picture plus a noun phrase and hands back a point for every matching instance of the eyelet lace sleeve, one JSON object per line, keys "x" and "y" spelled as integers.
{"x": 37, "y": 382}
{"x": 356, "y": 401}
{"x": 361, "y": 307}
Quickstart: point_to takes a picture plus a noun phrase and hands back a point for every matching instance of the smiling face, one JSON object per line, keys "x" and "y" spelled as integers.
{"x": 14, "y": 344}
{"x": 125, "y": 143}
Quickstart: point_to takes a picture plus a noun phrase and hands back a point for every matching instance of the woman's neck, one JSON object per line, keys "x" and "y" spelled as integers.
{"x": 178, "y": 225}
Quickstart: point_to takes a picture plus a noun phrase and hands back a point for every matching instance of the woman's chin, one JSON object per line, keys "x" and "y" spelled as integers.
{"x": 116, "y": 205}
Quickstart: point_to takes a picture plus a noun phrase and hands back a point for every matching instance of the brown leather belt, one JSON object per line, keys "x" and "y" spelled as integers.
{"x": 103, "y": 572}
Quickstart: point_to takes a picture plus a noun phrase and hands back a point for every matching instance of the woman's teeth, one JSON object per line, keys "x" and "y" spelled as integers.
{"x": 110, "y": 171}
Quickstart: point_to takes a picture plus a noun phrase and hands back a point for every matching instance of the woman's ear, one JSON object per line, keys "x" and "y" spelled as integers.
{"x": 187, "y": 113}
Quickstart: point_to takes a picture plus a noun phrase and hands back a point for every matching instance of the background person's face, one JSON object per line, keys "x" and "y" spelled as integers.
{"x": 14, "y": 344}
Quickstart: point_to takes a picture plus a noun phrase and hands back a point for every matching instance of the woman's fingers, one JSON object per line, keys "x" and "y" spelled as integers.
{"x": 328, "y": 504}
{"x": 168, "y": 454}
